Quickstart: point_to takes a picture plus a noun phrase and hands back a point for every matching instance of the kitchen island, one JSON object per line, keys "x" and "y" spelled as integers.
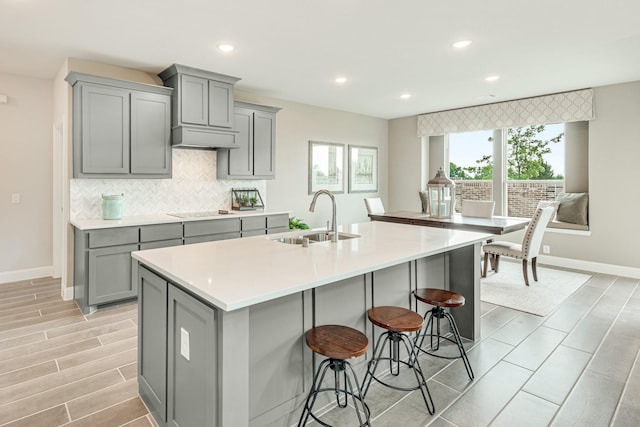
{"x": 221, "y": 323}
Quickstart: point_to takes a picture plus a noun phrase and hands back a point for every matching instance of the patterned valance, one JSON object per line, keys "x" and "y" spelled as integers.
{"x": 556, "y": 108}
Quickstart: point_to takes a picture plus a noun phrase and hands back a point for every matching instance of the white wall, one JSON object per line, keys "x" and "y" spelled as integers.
{"x": 25, "y": 167}
{"x": 297, "y": 124}
{"x": 614, "y": 150}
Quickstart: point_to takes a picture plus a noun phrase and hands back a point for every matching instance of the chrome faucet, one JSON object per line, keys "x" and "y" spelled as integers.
{"x": 334, "y": 225}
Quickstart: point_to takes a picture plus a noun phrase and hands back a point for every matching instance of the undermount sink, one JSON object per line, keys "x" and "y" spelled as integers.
{"x": 315, "y": 237}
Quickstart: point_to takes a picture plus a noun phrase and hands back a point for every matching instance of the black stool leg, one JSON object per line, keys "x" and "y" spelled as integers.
{"x": 463, "y": 353}
{"x": 338, "y": 366}
{"x": 394, "y": 358}
{"x": 438, "y": 313}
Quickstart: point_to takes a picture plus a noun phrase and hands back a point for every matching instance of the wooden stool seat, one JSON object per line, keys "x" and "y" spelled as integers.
{"x": 337, "y": 342}
{"x": 439, "y": 297}
{"x": 395, "y": 319}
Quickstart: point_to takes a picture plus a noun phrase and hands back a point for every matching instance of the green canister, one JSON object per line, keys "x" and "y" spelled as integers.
{"x": 112, "y": 206}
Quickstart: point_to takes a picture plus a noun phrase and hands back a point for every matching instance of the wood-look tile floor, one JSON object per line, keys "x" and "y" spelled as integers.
{"x": 59, "y": 367}
{"x": 578, "y": 366}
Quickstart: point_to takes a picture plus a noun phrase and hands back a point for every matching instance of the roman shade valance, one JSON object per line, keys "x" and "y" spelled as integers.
{"x": 562, "y": 107}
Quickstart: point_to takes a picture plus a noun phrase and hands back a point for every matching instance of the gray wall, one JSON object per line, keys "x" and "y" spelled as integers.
{"x": 25, "y": 167}
{"x": 297, "y": 124}
{"x": 613, "y": 153}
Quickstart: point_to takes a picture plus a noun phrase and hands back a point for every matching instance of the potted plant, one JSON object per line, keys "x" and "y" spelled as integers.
{"x": 297, "y": 224}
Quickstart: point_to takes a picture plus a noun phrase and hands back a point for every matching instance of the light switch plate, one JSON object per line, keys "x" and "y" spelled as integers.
{"x": 3, "y": 99}
{"x": 184, "y": 343}
{"x": 15, "y": 198}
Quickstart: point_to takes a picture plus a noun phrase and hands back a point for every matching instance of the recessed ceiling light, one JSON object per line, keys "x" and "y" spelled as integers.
{"x": 492, "y": 78}
{"x": 341, "y": 80}
{"x": 405, "y": 96}
{"x": 461, "y": 44}
{"x": 225, "y": 47}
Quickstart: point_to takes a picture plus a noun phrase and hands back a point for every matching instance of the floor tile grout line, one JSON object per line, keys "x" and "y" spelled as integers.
{"x": 626, "y": 386}
{"x": 102, "y": 409}
{"x": 604, "y": 337}
{"x": 57, "y": 388}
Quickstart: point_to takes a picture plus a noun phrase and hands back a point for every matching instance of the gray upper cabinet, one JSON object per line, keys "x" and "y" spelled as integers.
{"x": 120, "y": 129}
{"x": 202, "y": 114}
{"x": 255, "y": 156}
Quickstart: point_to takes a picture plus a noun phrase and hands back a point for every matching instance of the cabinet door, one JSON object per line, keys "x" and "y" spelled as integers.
{"x": 152, "y": 342}
{"x": 150, "y": 134}
{"x": 104, "y": 129}
{"x": 241, "y": 158}
{"x": 264, "y": 147}
{"x": 220, "y": 104}
{"x": 194, "y": 102}
{"x": 110, "y": 274}
{"x": 192, "y": 361}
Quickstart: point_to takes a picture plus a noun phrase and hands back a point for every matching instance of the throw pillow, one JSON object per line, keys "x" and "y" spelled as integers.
{"x": 573, "y": 208}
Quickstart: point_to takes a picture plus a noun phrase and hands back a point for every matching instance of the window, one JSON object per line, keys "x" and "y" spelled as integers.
{"x": 530, "y": 158}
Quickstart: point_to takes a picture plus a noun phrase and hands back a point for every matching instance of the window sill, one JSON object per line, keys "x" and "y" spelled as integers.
{"x": 557, "y": 228}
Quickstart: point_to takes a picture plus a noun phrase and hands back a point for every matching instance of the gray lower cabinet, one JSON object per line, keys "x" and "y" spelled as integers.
{"x": 264, "y": 224}
{"x": 277, "y": 223}
{"x": 152, "y": 336}
{"x": 210, "y": 230}
{"x": 160, "y": 236}
{"x": 103, "y": 271}
{"x": 110, "y": 274}
{"x": 120, "y": 129}
{"x": 254, "y": 157}
{"x": 192, "y": 361}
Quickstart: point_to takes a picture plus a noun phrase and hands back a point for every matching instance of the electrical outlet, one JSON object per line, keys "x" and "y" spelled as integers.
{"x": 15, "y": 198}
{"x": 546, "y": 249}
{"x": 184, "y": 343}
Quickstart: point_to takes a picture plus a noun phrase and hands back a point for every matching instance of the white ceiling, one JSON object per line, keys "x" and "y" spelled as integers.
{"x": 293, "y": 49}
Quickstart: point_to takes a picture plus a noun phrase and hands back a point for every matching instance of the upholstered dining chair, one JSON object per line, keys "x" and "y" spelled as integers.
{"x": 478, "y": 208}
{"x": 527, "y": 251}
{"x": 374, "y": 205}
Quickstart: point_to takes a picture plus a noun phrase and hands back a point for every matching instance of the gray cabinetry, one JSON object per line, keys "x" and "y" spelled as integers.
{"x": 103, "y": 270}
{"x": 192, "y": 361}
{"x": 277, "y": 223}
{"x": 152, "y": 335}
{"x": 210, "y": 230}
{"x": 202, "y": 114}
{"x": 160, "y": 236}
{"x": 264, "y": 224}
{"x": 254, "y": 157}
{"x": 120, "y": 129}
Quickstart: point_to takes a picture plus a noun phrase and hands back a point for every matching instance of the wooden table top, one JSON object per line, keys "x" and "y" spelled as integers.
{"x": 495, "y": 225}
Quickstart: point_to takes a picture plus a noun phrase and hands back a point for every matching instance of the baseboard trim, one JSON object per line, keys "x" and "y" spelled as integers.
{"x": 596, "y": 267}
{"x": 67, "y": 293}
{"x": 27, "y": 274}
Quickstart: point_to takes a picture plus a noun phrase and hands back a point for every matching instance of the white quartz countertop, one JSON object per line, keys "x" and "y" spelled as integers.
{"x": 133, "y": 221}
{"x": 237, "y": 273}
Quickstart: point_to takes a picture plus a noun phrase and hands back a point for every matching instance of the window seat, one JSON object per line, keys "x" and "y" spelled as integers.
{"x": 567, "y": 225}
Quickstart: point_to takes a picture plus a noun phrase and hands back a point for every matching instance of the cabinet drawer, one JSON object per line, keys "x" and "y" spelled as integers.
{"x": 160, "y": 244}
{"x": 277, "y": 230}
{"x": 201, "y": 228}
{"x": 250, "y": 233}
{"x": 152, "y": 233}
{"x": 211, "y": 237}
{"x": 254, "y": 223}
{"x": 278, "y": 221}
{"x": 113, "y": 237}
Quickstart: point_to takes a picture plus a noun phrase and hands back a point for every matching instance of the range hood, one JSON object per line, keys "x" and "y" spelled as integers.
{"x": 202, "y": 107}
{"x": 184, "y": 136}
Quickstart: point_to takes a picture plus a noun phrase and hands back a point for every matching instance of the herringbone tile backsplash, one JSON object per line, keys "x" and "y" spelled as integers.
{"x": 193, "y": 188}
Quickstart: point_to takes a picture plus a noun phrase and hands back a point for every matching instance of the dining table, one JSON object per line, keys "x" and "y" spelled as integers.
{"x": 495, "y": 225}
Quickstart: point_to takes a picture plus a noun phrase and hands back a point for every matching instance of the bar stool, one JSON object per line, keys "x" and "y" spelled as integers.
{"x": 337, "y": 343}
{"x": 397, "y": 321}
{"x": 441, "y": 299}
